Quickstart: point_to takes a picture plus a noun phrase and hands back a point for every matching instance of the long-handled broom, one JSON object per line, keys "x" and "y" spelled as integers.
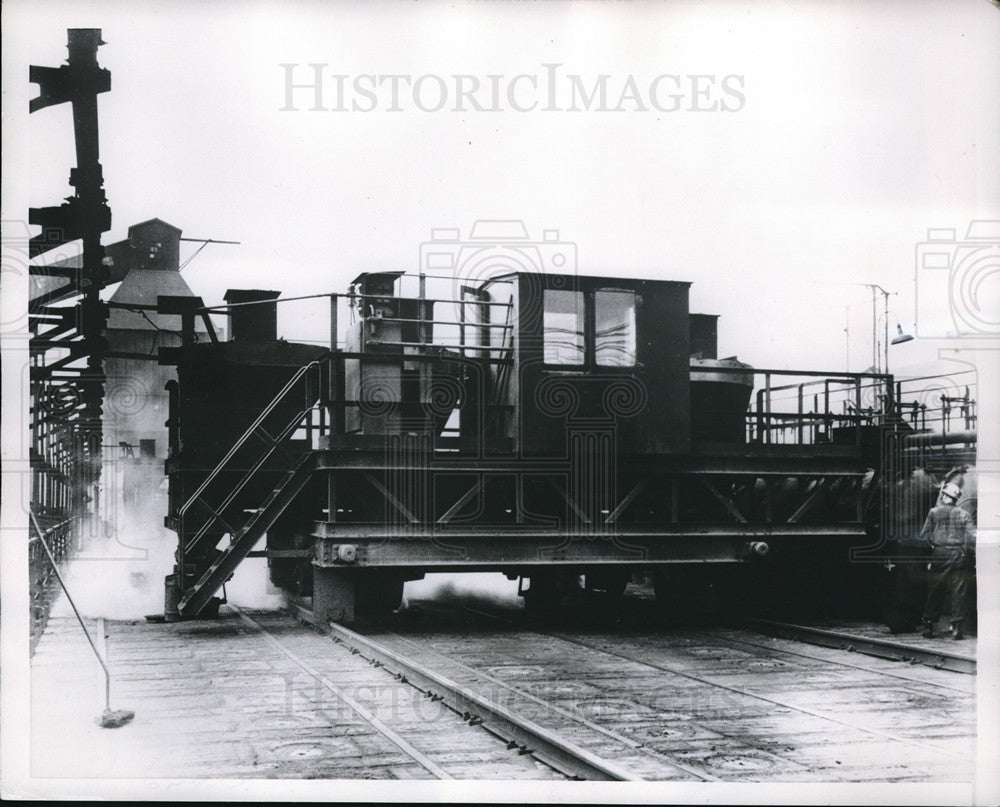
{"x": 112, "y": 718}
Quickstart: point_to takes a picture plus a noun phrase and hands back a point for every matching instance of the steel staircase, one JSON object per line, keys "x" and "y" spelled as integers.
{"x": 246, "y": 526}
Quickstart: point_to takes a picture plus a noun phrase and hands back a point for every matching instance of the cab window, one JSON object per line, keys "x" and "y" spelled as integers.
{"x": 563, "y": 327}
{"x": 614, "y": 328}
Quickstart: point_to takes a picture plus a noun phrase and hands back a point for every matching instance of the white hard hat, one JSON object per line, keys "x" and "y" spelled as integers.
{"x": 951, "y": 491}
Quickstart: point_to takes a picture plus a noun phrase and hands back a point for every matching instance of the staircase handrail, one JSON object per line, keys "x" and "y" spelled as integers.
{"x": 246, "y": 435}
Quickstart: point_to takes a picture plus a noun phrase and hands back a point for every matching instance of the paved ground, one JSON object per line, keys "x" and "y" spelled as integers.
{"x": 215, "y": 699}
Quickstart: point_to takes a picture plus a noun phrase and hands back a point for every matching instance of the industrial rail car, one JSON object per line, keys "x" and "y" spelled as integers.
{"x": 556, "y": 428}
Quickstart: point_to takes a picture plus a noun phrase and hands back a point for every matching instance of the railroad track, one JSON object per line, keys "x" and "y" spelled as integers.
{"x": 511, "y": 737}
{"x": 727, "y": 704}
{"x": 437, "y": 695}
{"x": 854, "y": 643}
{"x": 929, "y": 653}
{"x": 516, "y": 730}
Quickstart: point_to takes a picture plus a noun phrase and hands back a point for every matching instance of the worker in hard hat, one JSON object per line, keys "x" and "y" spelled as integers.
{"x": 949, "y": 532}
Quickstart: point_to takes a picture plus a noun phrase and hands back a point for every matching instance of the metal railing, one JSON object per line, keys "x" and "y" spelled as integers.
{"x": 46, "y": 549}
{"x": 274, "y": 444}
{"x": 808, "y": 412}
{"x": 241, "y": 441}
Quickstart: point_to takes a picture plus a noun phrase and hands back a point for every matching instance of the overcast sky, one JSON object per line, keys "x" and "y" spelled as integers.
{"x": 851, "y": 129}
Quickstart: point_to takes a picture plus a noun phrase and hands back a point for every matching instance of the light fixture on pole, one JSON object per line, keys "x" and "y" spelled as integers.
{"x": 882, "y": 367}
{"x": 881, "y": 363}
{"x": 901, "y": 337}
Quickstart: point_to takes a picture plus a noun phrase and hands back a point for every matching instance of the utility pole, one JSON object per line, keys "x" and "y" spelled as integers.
{"x": 877, "y": 358}
{"x": 847, "y": 333}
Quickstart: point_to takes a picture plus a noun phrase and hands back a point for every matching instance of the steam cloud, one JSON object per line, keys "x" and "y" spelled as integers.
{"x": 482, "y": 588}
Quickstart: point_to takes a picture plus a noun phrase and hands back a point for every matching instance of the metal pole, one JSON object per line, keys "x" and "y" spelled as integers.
{"x": 55, "y": 568}
{"x": 885, "y": 344}
{"x": 874, "y": 337}
{"x": 333, "y": 322}
{"x": 847, "y": 332}
{"x": 767, "y": 397}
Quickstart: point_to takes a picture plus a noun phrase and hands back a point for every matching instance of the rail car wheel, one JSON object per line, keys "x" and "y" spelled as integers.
{"x": 697, "y": 593}
{"x": 611, "y": 583}
{"x": 546, "y": 592}
{"x": 378, "y": 595}
{"x": 345, "y": 595}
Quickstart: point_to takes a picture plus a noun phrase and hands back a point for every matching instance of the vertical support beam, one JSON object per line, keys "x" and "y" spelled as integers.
{"x": 461, "y": 325}
{"x": 767, "y": 400}
{"x": 857, "y": 410}
{"x": 337, "y": 372}
{"x": 885, "y": 342}
{"x": 333, "y": 322}
{"x": 420, "y": 304}
{"x": 801, "y": 412}
{"x": 519, "y": 498}
{"x": 331, "y": 496}
{"x": 874, "y": 337}
{"x": 334, "y": 594}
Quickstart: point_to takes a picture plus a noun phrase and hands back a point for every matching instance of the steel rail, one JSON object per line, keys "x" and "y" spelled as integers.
{"x": 733, "y": 640}
{"x": 823, "y": 715}
{"x": 546, "y": 746}
{"x": 425, "y": 762}
{"x": 882, "y": 648}
{"x": 633, "y": 745}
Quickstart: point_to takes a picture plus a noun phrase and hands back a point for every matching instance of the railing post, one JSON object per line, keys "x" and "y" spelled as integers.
{"x": 422, "y": 327}
{"x": 760, "y": 416}
{"x": 801, "y": 412}
{"x": 333, "y": 321}
{"x": 890, "y": 391}
{"x": 181, "y": 553}
{"x": 767, "y": 396}
{"x": 857, "y": 410}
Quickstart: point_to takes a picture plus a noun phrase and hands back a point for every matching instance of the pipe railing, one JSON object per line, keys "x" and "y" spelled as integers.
{"x": 41, "y": 534}
{"x": 766, "y": 424}
{"x": 241, "y": 441}
{"x": 185, "y": 546}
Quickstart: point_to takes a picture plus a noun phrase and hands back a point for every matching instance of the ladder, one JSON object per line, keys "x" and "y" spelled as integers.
{"x": 246, "y": 526}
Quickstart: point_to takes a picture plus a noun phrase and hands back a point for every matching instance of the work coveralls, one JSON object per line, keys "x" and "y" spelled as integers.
{"x": 949, "y": 532}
